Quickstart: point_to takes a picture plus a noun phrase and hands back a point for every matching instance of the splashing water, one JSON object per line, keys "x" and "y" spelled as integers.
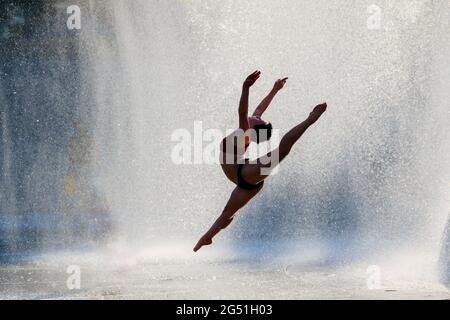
{"x": 375, "y": 170}
{"x": 370, "y": 179}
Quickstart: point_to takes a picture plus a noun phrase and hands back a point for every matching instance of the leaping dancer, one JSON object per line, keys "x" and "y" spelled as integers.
{"x": 249, "y": 177}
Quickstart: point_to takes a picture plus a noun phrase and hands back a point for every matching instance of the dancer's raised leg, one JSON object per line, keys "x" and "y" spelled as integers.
{"x": 254, "y": 173}
{"x": 290, "y": 138}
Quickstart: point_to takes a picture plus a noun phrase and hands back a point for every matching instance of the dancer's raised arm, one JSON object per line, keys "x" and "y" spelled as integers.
{"x": 243, "y": 103}
{"x": 279, "y": 84}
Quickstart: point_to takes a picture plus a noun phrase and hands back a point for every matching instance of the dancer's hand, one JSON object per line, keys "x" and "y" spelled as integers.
{"x": 279, "y": 84}
{"x": 251, "y": 79}
{"x": 317, "y": 112}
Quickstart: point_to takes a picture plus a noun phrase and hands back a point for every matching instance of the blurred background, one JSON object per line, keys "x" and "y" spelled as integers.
{"x": 87, "y": 116}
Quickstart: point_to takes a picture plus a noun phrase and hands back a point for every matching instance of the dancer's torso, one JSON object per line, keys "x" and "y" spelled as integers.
{"x": 232, "y": 152}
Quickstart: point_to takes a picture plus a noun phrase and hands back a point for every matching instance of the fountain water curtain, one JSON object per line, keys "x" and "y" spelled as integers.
{"x": 372, "y": 177}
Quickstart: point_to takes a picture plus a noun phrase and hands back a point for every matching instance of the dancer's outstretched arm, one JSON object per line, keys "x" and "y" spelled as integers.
{"x": 279, "y": 84}
{"x": 243, "y": 103}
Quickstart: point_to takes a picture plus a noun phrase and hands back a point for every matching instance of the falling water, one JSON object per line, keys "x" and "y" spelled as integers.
{"x": 374, "y": 171}
{"x": 371, "y": 178}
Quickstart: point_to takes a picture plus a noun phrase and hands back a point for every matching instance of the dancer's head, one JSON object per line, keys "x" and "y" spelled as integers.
{"x": 262, "y": 129}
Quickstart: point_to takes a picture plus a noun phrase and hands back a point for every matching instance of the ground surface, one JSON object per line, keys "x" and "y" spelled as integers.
{"x": 180, "y": 275}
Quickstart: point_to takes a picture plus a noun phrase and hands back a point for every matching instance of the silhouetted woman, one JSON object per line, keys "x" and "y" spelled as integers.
{"x": 249, "y": 176}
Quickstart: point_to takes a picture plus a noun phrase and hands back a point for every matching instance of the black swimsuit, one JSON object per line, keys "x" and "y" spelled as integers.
{"x": 241, "y": 181}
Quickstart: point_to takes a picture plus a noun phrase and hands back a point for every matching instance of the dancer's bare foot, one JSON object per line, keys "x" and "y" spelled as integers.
{"x": 204, "y": 241}
{"x": 317, "y": 112}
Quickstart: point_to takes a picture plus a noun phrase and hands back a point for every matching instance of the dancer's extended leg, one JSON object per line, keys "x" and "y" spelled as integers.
{"x": 256, "y": 172}
{"x": 239, "y": 198}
